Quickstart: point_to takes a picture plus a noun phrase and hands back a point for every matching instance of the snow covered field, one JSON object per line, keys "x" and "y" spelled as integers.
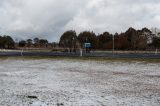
{"x": 78, "y": 83}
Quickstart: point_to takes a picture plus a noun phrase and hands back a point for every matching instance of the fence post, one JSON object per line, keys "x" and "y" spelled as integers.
{"x": 156, "y": 52}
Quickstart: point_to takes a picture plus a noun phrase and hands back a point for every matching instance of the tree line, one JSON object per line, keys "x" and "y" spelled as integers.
{"x": 36, "y": 42}
{"x": 6, "y": 42}
{"x": 132, "y": 39}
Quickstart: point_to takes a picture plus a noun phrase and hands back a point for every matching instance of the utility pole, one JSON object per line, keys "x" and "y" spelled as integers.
{"x": 113, "y": 46}
{"x": 81, "y": 52}
{"x": 73, "y": 44}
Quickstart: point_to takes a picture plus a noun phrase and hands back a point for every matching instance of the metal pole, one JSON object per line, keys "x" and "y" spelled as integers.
{"x": 113, "y": 46}
{"x": 81, "y": 52}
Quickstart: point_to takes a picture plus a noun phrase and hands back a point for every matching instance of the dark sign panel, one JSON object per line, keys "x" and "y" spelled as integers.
{"x": 87, "y": 45}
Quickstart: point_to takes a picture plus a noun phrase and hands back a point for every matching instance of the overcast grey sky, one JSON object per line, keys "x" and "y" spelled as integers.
{"x": 50, "y": 18}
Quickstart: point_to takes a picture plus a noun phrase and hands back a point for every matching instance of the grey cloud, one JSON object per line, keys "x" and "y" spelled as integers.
{"x": 117, "y": 16}
{"x": 50, "y": 18}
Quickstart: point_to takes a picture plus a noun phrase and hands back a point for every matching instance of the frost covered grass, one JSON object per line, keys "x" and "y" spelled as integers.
{"x": 78, "y": 82}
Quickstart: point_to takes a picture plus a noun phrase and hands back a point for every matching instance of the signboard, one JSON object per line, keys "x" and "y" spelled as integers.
{"x": 87, "y": 45}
